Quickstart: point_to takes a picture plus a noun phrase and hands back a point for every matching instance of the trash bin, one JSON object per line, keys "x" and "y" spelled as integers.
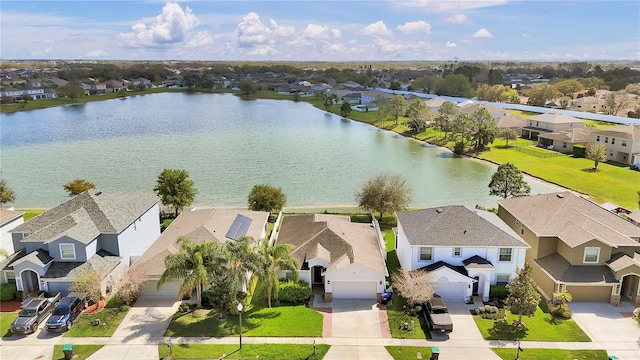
{"x": 613, "y": 357}
{"x": 435, "y": 353}
{"x": 68, "y": 351}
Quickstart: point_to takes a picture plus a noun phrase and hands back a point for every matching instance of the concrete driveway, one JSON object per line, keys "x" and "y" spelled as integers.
{"x": 355, "y": 319}
{"x": 613, "y": 327}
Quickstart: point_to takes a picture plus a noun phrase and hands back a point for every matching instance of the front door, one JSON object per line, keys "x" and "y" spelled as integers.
{"x": 475, "y": 284}
{"x": 317, "y": 275}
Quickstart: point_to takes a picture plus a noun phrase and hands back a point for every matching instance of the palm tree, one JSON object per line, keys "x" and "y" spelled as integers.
{"x": 194, "y": 265}
{"x": 272, "y": 259}
{"x": 243, "y": 259}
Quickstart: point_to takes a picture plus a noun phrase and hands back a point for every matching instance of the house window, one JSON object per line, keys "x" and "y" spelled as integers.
{"x": 426, "y": 253}
{"x": 67, "y": 251}
{"x": 505, "y": 254}
{"x": 606, "y": 139}
{"x": 502, "y": 279}
{"x": 457, "y": 252}
{"x": 610, "y": 152}
{"x": 11, "y": 276}
{"x": 564, "y": 145}
{"x": 613, "y": 141}
{"x": 591, "y": 254}
{"x": 598, "y": 138}
{"x": 624, "y": 143}
{"x": 537, "y": 123}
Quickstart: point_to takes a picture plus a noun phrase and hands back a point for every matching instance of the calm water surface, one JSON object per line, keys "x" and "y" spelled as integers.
{"x": 227, "y": 145}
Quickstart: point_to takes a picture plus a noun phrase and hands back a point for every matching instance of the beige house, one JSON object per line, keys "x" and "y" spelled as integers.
{"x": 588, "y": 104}
{"x": 563, "y": 141}
{"x": 495, "y": 111}
{"x": 621, "y": 142}
{"x": 577, "y": 246}
{"x": 550, "y": 122}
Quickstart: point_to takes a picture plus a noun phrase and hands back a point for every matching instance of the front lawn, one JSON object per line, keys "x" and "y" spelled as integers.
{"x": 5, "y": 323}
{"x": 110, "y": 318}
{"x": 541, "y": 327}
{"x": 30, "y": 213}
{"x": 249, "y": 351}
{"x": 551, "y": 354}
{"x": 80, "y": 352}
{"x": 408, "y": 352}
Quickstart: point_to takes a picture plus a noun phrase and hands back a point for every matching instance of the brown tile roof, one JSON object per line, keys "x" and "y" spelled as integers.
{"x": 202, "y": 225}
{"x": 620, "y": 261}
{"x": 333, "y": 236}
{"x": 572, "y": 219}
{"x": 9, "y": 215}
{"x": 562, "y": 271}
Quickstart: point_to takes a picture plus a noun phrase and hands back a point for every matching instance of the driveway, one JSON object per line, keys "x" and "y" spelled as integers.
{"x": 613, "y": 327}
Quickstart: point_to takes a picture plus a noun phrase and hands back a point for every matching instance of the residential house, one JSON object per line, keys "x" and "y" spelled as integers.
{"x": 588, "y": 104}
{"x": 563, "y": 141}
{"x": 511, "y": 122}
{"x": 105, "y": 232}
{"x": 435, "y": 103}
{"x": 93, "y": 87}
{"x": 6, "y": 91}
{"x": 54, "y": 82}
{"x": 466, "y": 250}
{"x": 550, "y": 122}
{"x": 9, "y": 219}
{"x": 200, "y": 225}
{"x": 577, "y": 246}
{"x": 114, "y": 86}
{"x": 495, "y": 111}
{"x": 622, "y": 142}
{"x": 36, "y": 93}
{"x": 141, "y": 82}
{"x": 344, "y": 260}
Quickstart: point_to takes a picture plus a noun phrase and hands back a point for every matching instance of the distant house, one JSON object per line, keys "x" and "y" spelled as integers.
{"x": 93, "y": 87}
{"x": 588, "y": 104}
{"x": 577, "y": 246}
{"x": 36, "y": 93}
{"x": 54, "y": 82}
{"x": 141, "y": 82}
{"x": 466, "y": 250}
{"x": 495, "y": 111}
{"x": 435, "y": 103}
{"x": 113, "y": 86}
{"x": 550, "y": 122}
{"x": 622, "y": 142}
{"x": 201, "y": 225}
{"x": 563, "y": 141}
{"x": 9, "y": 219}
{"x": 105, "y": 232}
{"x": 6, "y": 91}
{"x": 511, "y": 122}
{"x": 344, "y": 259}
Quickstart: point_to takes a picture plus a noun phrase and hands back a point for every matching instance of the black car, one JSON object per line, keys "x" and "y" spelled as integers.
{"x": 65, "y": 314}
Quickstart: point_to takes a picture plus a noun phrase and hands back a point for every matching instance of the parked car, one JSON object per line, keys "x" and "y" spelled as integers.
{"x": 34, "y": 312}
{"x": 437, "y": 315}
{"x": 66, "y": 313}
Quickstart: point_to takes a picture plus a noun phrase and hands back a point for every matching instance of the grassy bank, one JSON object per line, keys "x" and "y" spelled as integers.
{"x": 248, "y": 351}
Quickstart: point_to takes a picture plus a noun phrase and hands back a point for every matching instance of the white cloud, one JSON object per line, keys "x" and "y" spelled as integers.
{"x": 376, "y": 29}
{"x": 171, "y": 26}
{"x": 41, "y": 53}
{"x": 482, "y": 33}
{"x": 415, "y": 27}
{"x": 525, "y": 36}
{"x": 263, "y": 50}
{"x": 202, "y": 38}
{"x": 281, "y": 30}
{"x": 96, "y": 53}
{"x": 320, "y": 32}
{"x": 457, "y": 19}
{"x": 450, "y": 44}
{"x": 252, "y": 32}
{"x": 446, "y": 6}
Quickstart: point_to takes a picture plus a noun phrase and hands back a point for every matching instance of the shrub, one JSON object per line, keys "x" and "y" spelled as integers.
{"x": 498, "y": 292}
{"x": 7, "y": 292}
{"x": 494, "y": 309}
{"x": 487, "y": 309}
{"x": 479, "y": 310}
{"x": 292, "y": 292}
{"x": 561, "y": 312}
{"x": 165, "y": 224}
{"x": 418, "y": 309}
{"x": 579, "y": 151}
{"x": 124, "y": 308}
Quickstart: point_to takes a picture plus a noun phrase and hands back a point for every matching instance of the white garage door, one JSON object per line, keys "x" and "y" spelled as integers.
{"x": 354, "y": 290}
{"x": 451, "y": 290}
{"x": 169, "y": 289}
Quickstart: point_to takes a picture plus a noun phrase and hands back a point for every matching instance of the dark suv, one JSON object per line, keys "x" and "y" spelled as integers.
{"x": 65, "y": 314}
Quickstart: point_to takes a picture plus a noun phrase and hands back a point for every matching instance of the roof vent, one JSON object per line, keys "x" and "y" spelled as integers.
{"x": 560, "y": 196}
{"x": 97, "y": 193}
{"x": 439, "y": 210}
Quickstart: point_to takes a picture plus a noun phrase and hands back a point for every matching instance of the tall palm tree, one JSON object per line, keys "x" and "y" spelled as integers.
{"x": 194, "y": 265}
{"x": 272, "y": 259}
{"x": 243, "y": 260}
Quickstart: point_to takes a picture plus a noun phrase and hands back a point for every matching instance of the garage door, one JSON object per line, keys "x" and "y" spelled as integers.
{"x": 354, "y": 290}
{"x": 451, "y": 290}
{"x": 169, "y": 289}
{"x": 62, "y": 287}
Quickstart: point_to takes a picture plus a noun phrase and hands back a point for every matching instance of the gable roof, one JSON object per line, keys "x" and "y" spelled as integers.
{"x": 555, "y": 118}
{"x": 471, "y": 108}
{"x": 457, "y": 225}
{"x": 630, "y": 132}
{"x": 435, "y": 102}
{"x": 109, "y": 212}
{"x": 201, "y": 225}
{"x": 572, "y": 219}
{"x": 511, "y": 121}
{"x": 575, "y": 135}
{"x": 7, "y": 216}
{"x": 333, "y": 236}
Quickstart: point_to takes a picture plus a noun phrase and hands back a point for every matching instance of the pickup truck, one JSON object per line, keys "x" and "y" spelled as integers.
{"x": 34, "y": 312}
{"x": 437, "y": 315}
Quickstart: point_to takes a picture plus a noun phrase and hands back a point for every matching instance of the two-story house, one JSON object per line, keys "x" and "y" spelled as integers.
{"x": 466, "y": 250}
{"x": 495, "y": 111}
{"x": 577, "y": 246}
{"x": 103, "y": 232}
{"x": 621, "y": 142}
{"x": 550, "y": 122}
{"x": 9, "y": 219}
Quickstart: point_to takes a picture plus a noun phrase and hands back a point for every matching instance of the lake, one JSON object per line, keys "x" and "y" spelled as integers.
{"x": 227, "y": 145}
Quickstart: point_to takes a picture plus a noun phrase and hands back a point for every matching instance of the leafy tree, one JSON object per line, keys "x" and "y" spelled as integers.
{"x": 446, "y": 114}
{"x": 385, "y": 193}
{"x": 329, "y": 100}
{"x": 523, "y": 296}
{"x": 415, "y": 286}
{"x": 194, "y": 264}
{"x": 568, "y": 87}
{"x": 247, "y": 87}
{"x": 397, "y": 107}
{"x": 6, "y": 194}
{"x": 77, "y": 186}
{"x": 265, "y": 197}
{"x": 129, "y": 286}
{"x": 345, "y": 109}
{"x": 242, "y": 259}
{"x": 509, "y": 135}
{"x": 541, "y": 93}
{"x": 597, "y": 153}
{"x": 508, "y": 181}
{"x": 485, "y": 128}
{"x": 274, "y": 258}
{"x": 463, "y": 127}
{"x": 73, "y": 90}
{"x": 594, "y": 83}
{"x": 175, "y": 189}
{"x": 88, "y": 282}
{"x": 384, "y": 107}
{"x": 419, "y": 115}
{"x": 454, "y": 85}
{"x": 617, "y": 101}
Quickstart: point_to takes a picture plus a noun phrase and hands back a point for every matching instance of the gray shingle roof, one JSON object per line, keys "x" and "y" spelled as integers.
{"x": 459, "y": 226}
{"x": 77, "y": 225}
{"x": 561, "y": 270}
{"x": 438, "y": 264}
{"x": 39, "y": 257}
{"x": 556, "y": 118}
{"x": 102, "y": 262}
{"x": 477, "y": 262}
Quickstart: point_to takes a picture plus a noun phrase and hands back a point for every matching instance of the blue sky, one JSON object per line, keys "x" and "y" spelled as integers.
{"x": 328, "y": 30}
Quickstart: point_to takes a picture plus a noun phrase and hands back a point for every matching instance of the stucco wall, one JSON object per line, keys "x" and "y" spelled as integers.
{"x": 6, "y": 242}
{"x": 354, "y": 272}
{"x": 576, "y": 255}
{"x": 138, "y": 236}
{"x": 54, "y": 249}
{"x": 590, "y": 293}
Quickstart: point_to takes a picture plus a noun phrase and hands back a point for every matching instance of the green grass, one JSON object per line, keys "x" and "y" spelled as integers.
{"x": 111, "y": 315}
{"x": 249, "y": 351}
{"x": 598, "y": 124}
{"x": 551, "y": 354}
{"x": 524, "y": 114}
{"x": 5, "y": 323}
{"x": 30, "y": 213}
{"x": 408, "y": 352}
{"x": 80, "y": 352}
{"x": 609, "y": 183}
{"x": 541, "y": 327}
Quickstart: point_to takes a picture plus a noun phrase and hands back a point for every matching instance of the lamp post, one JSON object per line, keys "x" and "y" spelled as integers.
{"x": 240, "y": 307}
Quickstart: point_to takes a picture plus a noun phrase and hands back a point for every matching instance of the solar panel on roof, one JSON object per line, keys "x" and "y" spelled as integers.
{"x": 239, "y": 227}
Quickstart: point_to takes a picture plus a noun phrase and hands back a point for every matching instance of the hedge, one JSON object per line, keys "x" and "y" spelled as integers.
{"x": 292, "y": 292}
{"x": 7, "y": 292}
